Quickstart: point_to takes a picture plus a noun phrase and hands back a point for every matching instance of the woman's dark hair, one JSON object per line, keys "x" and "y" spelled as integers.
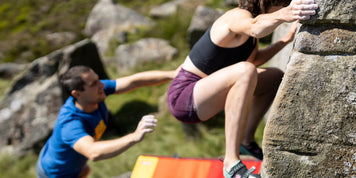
{"x": 257, "y": 7}
{"x": 72, "y": 80}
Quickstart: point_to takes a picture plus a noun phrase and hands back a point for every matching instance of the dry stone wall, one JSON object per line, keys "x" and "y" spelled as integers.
{"x": 311, "y": 131}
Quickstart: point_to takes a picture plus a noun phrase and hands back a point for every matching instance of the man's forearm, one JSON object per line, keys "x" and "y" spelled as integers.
{"x": 153, "y": 77}
{"x": 111, "y": 148}
{"x": 99, "y": 150}
{"x": 142, "y": 79}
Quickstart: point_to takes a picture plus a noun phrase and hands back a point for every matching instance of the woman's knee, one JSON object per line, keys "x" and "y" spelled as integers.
{"x": 241, "y": 73}
{"x": 246, "y": 70}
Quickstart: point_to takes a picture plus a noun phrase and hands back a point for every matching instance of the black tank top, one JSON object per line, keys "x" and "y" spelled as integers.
{"x": 208, "y": 57}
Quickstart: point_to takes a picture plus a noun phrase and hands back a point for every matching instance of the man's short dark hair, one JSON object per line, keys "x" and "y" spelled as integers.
{"x": 72, "y": 80}
{"x": 257, "y": 7}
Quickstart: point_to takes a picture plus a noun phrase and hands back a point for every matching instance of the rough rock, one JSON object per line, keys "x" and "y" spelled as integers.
{"x": 107, "y": 13}
{"x": 144, "y": 50}
{"x": 311, "y": 128}
{"x": 9, "y": 70}
{"x": 334, "y": 12}
{"x": 203, "y": 18}
{"x": 61, "y": 38}
{"x": 166, "y": 9}
{"x": 327, "y": 40}
{"x": 113, "y": 34}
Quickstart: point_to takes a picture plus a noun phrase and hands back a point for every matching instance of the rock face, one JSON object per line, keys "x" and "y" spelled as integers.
{"x": 29, "y": 110}
{"x": 311, "y": 129}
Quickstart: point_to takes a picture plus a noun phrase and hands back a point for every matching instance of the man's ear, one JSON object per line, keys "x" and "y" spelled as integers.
{"x": 75, "y": 93}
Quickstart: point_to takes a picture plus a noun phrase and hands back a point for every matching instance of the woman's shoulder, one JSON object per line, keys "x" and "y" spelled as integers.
{"x": 232, "y": 25}
{"x": 238, "y": 12}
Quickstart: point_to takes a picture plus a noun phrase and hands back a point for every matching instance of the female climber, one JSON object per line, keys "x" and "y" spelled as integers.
{"x": 220, "y": 73}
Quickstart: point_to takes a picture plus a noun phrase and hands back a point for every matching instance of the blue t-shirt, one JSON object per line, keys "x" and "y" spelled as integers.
{"x": 59, "y": 158}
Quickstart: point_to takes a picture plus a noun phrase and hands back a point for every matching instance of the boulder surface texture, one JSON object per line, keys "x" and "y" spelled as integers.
{"x": 311, "y": 130}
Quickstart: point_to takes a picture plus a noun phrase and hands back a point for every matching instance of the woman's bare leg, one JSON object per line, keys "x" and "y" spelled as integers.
{"x": 237, "y": 109}
{"x": 231, "y": 88}
{"x": 266, "y": 89}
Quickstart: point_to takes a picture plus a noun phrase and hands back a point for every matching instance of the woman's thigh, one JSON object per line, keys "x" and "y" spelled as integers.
{"x": 211, "y": 91}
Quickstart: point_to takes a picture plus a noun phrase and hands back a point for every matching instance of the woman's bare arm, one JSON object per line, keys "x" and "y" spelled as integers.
{"x": 263, "y": 55}
{"x": 242, "y": 21}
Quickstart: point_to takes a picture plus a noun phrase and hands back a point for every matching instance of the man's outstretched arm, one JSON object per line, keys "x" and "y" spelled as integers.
{"x": 143, "y": 79}
{"x": 99, "y": 150}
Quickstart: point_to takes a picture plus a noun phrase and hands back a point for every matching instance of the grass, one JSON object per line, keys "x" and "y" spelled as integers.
{"x": 18, "y": 167}
{"x": 4, "y": 85}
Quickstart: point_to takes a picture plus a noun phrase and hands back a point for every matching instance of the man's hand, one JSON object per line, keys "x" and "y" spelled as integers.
{"x": 300, "y": 10}
{"x": 146, "y": 125}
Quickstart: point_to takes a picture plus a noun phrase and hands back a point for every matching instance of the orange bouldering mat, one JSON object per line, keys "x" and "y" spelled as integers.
{"x": 148, "y": 166}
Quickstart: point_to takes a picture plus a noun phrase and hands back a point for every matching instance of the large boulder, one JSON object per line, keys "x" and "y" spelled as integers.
{"x": 29, "y": 110}
{"x": 167, "y": 9}
{"x": 9, "y": 70}
{"x": 311, "y": 129}
{"x": 107, "y": 13}
{"x": 60, "y": 38}
{"x": 109, "y": 38}
{"x": 30, "y": 106}
{"x": 203, "y": 18}
{"x": 145, "y": 50}
{"x": 108, "y": 24}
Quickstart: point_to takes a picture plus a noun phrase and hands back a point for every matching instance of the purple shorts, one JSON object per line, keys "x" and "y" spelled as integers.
{"x": 180, "y": 97}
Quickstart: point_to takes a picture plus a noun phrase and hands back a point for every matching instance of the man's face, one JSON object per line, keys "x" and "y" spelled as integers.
{"x": 93, "y": 89}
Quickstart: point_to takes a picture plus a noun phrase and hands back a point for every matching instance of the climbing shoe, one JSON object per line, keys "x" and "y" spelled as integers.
{"x": 239, "y": 170}
{"x": 252, "y": 149}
